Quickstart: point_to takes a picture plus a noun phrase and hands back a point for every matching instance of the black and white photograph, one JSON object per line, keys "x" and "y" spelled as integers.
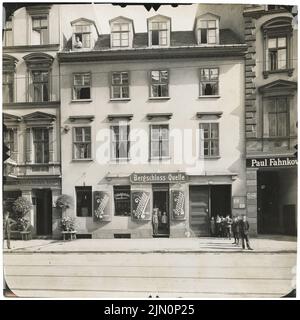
{"x": 149, "y": 150}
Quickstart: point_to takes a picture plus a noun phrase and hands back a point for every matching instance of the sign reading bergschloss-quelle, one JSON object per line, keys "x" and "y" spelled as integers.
{"x": 170, "y": 177}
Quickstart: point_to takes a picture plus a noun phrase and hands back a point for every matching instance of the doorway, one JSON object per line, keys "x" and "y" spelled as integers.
{"x": 161, "y": 202}
{"x": 43, "y": 212}
{"x": 220, "y": 199}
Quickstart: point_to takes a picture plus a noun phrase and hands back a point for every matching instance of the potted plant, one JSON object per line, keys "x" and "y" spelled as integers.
{"x": 68, "y": 224}
{"x": 21, "y": 208}
{"x": 64, "y": 202}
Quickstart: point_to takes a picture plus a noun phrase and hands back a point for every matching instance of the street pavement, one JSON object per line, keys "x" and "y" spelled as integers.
{"x": 164, "y": 268}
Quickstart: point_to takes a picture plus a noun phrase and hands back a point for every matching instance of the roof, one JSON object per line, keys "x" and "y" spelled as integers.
{"x": 178, "y": 38}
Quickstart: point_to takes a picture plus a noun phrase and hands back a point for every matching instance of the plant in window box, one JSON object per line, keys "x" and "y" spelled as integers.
{"x": 21, "y": 208}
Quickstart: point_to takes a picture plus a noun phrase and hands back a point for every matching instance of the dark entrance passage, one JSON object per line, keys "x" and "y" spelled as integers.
{"x": 220, "y": 199}
{"x": 43, "y": 212}
{"x": 161, "y": 202}
{"x": 207, "y": 202}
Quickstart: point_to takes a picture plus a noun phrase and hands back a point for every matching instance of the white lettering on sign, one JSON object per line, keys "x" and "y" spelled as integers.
{"x": 273, "y": 162}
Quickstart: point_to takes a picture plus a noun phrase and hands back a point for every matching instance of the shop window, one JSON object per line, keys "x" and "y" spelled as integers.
{"x": 159, "y": 144}
{"x": 8, "y": 87}
{"x": 159, "y": 84}
{"x": 120, "y": 85}
{"x": 276, "y": 117}
{"x": 120, "y": 142}
{"x": 82, "y": 143}
{"x": 8, "y": 33}
{"x": 159, "y": 33}
{"x": 81, "y": 86}
{"x": 277, "y": 45}
{"x": 83, "y": 201}
{"x": 122, "y": 200}
{"x": 209, "y": 82}
{"x": 209, "y": 140}
{"x": 40, "y": 30}
{"x": 40, "y": 82}
{"x": 120, "y": 35}
{"x": 41, "y": 145}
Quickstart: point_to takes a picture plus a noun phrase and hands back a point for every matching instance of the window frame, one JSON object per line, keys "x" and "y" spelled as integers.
{"x": 159, "y": 32}
{"x": 202, "y": 140}
{"x": 40, "y": 84}
{"x": 38, "y": 29}
{"x": 151, "y": 96}
{"x": 121, "y": 85}
{"x": 160, "y": 156}
{"x": 116, "y": 157}
{"x": 84, "y": 141}
{"x": 45, "y": 145}
{"x": 76, "y": 33}
{"x": 9, "y": 84}
{"x": 74, "y": 99}
{"x": 89, "y": 191}
{"x": 215, "y": 28}
{"x": 7, "y": 29}
{"x": 209, "y": 81}
{"x": 122, "y": 189}
{"x": 120, "y": 32}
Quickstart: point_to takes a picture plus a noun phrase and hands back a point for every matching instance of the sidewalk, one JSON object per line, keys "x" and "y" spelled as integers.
{"x": 279, "y": 244}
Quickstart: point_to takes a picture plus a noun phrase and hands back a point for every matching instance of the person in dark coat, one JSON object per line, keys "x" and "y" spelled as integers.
{"x": 236, "y": 230}
{"x": 244, "y": 231}
{"x": 7, "y": 224}
{"x": 218, "y": 226}
{"x": 229, "y": 222}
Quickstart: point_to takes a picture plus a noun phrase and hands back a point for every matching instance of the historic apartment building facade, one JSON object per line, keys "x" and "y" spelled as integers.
{"x": 135, "y": 87}
{"x": 31, "y": 112}
{"x": 271, "y": 118}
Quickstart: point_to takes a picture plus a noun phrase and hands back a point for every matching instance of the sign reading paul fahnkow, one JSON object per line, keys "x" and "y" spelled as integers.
{"x": 272, "y": 162}
{"x": 171, "y": 177}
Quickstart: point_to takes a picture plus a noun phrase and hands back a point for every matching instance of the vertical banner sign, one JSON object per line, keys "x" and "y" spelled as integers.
{"x": 178, "y": 202}
{"x": 101, "y": 206}
{"x": 140, "y": 205}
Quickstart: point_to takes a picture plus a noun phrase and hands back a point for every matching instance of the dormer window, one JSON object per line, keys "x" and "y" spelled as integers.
{"x": 207, "y": 29}
{"x": 84, "y": 34}
{"x": 159, "y": 31}
{"x": 120, "y": 35}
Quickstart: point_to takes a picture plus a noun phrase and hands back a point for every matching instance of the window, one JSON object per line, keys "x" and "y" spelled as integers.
{"x": 40, "y": 81}
{"x": 159, "y": 144}
{"x": 9, "y": 141}
{"x": 209, "y": 81}
{"x": 120, "y": 142}
{"x": 120, "y": 85}
{"x": 40, "y": 34}
{"x": 159, "y": 84}
{"x": 159, "y": 33}
{"x": 41, "y": 145}
{"x": 82, "y": 143}
{"x": 8, "y": 87}
{"x": 122, "y": 200}
{"x": 82, "y": 36}
{"x": 207, "y": 32}
{"x": 120, "y": 35}
{"x": 8, "y": 33}
{"x": 277, "y": 53}
{"x": 209, "y": 139}
{"x": 82, "y": 86}
{"x": 83, "y": 201}
{"x": 276, "y": 117}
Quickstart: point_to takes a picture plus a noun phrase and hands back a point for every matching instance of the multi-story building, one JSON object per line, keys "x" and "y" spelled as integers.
{"x": 152, "y": 118}
{"x": 31, "y": 112}
{"x": 271, "y": 118}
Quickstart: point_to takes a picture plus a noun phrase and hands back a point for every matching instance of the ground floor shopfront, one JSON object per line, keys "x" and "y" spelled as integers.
{"x": 122, "y": 206}
{"x": 41, "y": 193}
{"x": 272, "y": 195}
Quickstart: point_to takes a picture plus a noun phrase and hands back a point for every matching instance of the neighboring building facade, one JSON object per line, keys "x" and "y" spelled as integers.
{"x": 129, "y": 89}
{"x": 271, "y": 119}
{"x": 31, "y": 107}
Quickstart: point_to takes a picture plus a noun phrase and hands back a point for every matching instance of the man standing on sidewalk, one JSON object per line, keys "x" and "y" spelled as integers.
{"x": 244, "y": 232}
{"x": 7, "y": 223}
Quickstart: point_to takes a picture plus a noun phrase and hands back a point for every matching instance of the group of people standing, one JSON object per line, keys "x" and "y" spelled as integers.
{"x": 159, "y": 219}
{"x": 226, "y": 227}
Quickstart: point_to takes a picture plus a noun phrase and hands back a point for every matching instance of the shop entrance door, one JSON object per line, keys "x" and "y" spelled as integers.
{"x": 43, "y": 212}
{"x": 161, "y": 202}
{"x": 199, "y": 210}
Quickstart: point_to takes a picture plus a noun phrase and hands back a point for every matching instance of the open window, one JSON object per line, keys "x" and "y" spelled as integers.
{"x": 84, "y": 34}
{"x": 207, "y": 29}
{"x": 159, "y": 30}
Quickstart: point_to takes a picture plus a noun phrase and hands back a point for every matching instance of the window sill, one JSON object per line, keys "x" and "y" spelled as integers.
{"x": 159, "y": 98}
{"x": 122, "y": 160}
{"x": 82, "y": 160}
{"x": 82, "y": 100}
{"x": 289, "y": 71}
{"x": 210, "y": 158}
{"x": 160, "y": 159}
{"x": 119, "y": 99}
{"x": 209, "y": 97}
